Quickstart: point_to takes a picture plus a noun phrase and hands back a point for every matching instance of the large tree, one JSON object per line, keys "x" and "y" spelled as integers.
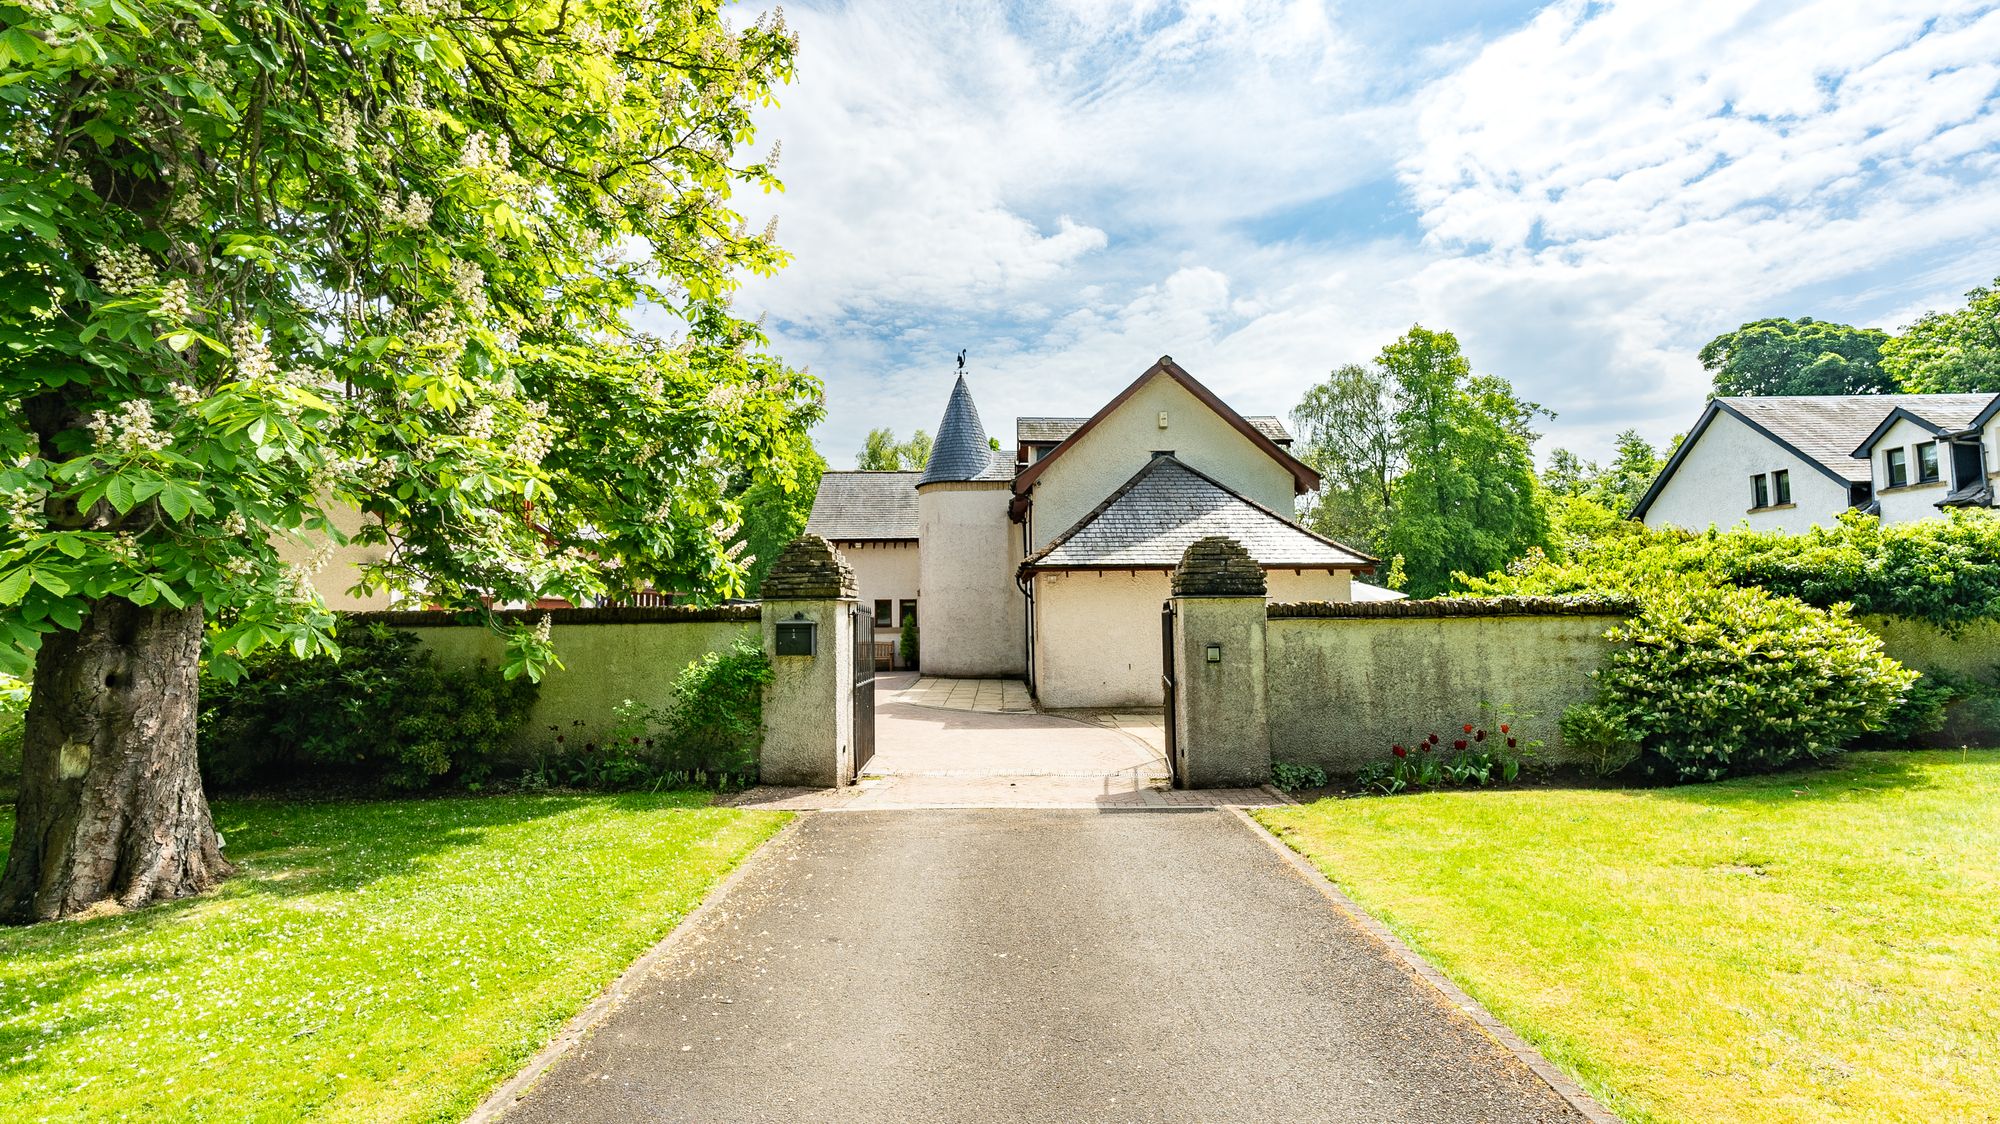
{"x": 1955, "y": 352}
{"x": 881, "y": 452}
{"x": 267, "y": 258}
{"x": 1344, "y": 433}
{"x": 1803, "y": 356}
{"x": 1422, "y": 459}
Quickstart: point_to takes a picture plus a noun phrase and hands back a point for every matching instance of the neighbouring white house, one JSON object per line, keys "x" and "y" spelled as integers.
{"x": 1050, "y": 560}
{"x": 1788, "y": 463}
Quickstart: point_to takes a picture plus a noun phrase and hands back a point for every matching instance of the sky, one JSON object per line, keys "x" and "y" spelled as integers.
{"x": 1585, "y": 193}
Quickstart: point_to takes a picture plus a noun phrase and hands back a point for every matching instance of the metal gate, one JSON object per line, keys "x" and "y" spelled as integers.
{"x": 1168, "y": 684}
{"x": 864, "y": 689}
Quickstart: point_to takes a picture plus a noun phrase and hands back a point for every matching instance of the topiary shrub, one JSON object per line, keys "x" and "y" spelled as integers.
{"x": 1711, "y": 682}
{"x": 907, "y": 648}
{"x": 386, "y": 712}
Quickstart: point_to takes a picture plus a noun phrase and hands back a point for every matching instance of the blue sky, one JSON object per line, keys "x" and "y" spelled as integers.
{"x": 1584, "y": 192}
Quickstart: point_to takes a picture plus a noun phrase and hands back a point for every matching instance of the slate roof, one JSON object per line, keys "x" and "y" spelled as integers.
{"x": 1824, "y": 429}
{"x": 1151, "y": 520}
{"x": 854, "y": 506}
{"x": 961, "y": 451}
{"x": 1049, "y": 431}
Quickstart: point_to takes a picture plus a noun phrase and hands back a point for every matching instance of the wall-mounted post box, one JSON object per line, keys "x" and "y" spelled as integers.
{"x": 798, "y": 637}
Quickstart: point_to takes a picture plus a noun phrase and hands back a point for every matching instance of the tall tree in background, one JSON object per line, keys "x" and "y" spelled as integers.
{"x": 1954, "y": 352}
{"x": 1431, "y": 461}
{"x": 1803, "y": 356}
{"x": 1343, "y": 432}
{"x": 776, "y": 505}
{"x": 266, "y": 260}
{"x": 881, "y": 452}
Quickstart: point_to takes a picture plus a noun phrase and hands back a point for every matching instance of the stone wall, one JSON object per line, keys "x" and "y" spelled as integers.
{"x": 1344, "y": 682}
{"x": 608, "y": 655}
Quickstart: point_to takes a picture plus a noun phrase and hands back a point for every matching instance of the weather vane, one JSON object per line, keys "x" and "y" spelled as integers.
{"x": 961, "y": 359}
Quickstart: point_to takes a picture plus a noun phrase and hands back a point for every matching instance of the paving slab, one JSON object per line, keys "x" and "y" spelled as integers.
{"x": 1016, "y": 965}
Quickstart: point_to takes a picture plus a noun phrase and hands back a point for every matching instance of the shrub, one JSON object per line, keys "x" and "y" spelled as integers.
{"x": 1291, "y": 778}
{"x": 13, "y": 709}
{"x": 1712, "y": 682}
{"x": 1591, "y": 730}
{"x": 907, "y": 648}
{"x": 708, "y": 734}
{"x": 385, "y": 712}
{"x": 1944, "y": 571}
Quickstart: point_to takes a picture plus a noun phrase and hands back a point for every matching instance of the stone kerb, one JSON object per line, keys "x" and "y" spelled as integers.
{"x": 809, "y": 703}
{"x": 1220, "y": 711}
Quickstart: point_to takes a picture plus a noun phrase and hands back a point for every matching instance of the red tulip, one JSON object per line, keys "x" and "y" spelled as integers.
{"x": 1480, "y": 736}
{"x": 1400, "y": 751}
{"x": 1468, "y": 727}
{"x": 1503, "y": 727}
{"x": 1459, "y": 744}
{"x": 1434, "y": 739}
{"x": 1510, "y": 743}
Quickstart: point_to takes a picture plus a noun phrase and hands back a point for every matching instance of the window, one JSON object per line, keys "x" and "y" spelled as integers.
{"x": 1781, "y": 485}
{"x": 909, "y": 609}
{"x": 882, "y": 619}
{"x": 1760, "y": 491}
{"x": 1927, "y": 463}
{"x": 1895, "y": 466}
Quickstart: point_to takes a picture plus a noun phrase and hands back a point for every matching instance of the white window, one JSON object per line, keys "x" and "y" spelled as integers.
{"x": 1781, "y": 485}
{"x": 1760, "y": 491}
{"x": 1896, "y": 468}
{"x": 1927, "y": 463}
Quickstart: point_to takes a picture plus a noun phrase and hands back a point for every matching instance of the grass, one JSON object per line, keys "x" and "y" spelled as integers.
{"x": 1810, "y": 946}
{"x": 372, "y": 961}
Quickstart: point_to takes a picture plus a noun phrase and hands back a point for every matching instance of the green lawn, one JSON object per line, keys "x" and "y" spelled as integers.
{"x": 377, "y": 961}
{"x": 1815, "y": 946}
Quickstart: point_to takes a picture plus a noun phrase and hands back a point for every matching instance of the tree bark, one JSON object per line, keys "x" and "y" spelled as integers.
{"x": 111, "y": 811}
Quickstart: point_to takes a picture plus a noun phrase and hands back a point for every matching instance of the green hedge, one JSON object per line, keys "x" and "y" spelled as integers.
{"x": 1943, "y": 571}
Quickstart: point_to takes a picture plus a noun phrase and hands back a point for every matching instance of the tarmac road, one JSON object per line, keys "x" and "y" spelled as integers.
{"x": 997, "y": 965}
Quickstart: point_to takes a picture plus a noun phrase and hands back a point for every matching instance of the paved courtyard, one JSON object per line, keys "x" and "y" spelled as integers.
{"x": 1013, "y": 965}
{"x": 981, "y": 755}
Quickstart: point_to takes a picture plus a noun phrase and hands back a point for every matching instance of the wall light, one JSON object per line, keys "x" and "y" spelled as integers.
{"x": 1215, "y": 653}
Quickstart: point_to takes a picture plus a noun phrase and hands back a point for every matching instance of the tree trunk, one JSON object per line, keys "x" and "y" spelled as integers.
{"x": 111, "y": 810}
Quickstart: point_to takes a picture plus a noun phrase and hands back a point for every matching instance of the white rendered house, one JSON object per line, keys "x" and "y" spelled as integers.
{"x": 1788, "y": 463}
{"x": 1050, "y": 560}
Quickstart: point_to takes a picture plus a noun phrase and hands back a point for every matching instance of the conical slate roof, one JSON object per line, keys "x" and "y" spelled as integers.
{"x": 961, "y": 451}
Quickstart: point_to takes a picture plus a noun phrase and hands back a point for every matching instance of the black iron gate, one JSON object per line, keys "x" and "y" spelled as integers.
{"x": 864, "y": 689}
{"x": 1169, "y": 686}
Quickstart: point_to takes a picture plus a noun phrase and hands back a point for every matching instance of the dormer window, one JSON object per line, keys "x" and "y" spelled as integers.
{"x": 1927, "y": 463}
{"x": 1895, "y": 468}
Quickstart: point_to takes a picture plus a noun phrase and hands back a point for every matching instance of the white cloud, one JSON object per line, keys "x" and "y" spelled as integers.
{"x": 1074, "y": 190}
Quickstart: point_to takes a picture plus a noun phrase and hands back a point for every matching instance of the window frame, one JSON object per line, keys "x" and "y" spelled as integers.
{"x": 1760, "y": 492}
{"x": 884, "y": 610}
{"x": 1928, "y": 470}
{"x": 906, "y": 610}
{"x": 1896, "y": 467}
{"x": 1781, "y": 487}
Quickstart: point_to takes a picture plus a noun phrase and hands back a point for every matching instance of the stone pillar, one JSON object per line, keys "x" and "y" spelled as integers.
{"x": 809, "y": 704}
{"x": 1219, "y": 612}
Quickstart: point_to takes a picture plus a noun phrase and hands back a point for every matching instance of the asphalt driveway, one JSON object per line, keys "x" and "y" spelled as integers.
{"x": 1017, "y": 965}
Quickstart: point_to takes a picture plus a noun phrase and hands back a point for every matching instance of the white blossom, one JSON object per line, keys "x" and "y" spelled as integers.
{"x": 411, "y": 212}
{"x": 123, "y": 270}
{"x": 128, "y": 429}
{"x": 25, "y": 514}
{"x": 185, "y": 396}
{"x": 252, "y": 355}
{"x": 174, "y": 304}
